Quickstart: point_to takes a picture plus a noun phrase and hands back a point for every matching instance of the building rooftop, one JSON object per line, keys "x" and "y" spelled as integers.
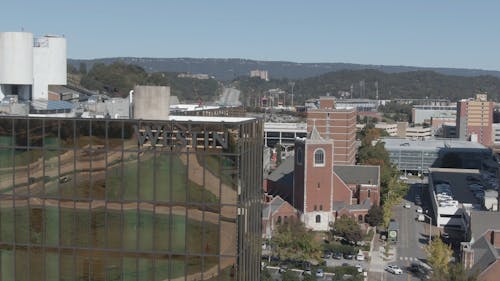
{"x": 484, "y": 254}
{"x": 283, "y": 172}
{"x": 457, "y": 178}
{"x": 482, "y": 221}
{"x": 358, "y": 174}
{"x": 217, "y": 119}
{"x": 292, "y": 127}
{"x": 431, "y": 144}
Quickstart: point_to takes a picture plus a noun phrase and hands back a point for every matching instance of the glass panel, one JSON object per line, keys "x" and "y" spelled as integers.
{"x": 36, "y": 225}
{"x": 163, "y": 177}
{"x": 194, "y": 268}
{"x": 36, "y": 133}
{"x": 129, "y": 269}
{"x": 161, "y": 225}
{"x": 146, "y": 269}
{"x": 67, "y": 133}
{"x": 113, "y": 269}
{"x": 130, "y": 178}
{"x": 114, "y": 232}
{"x": 147, "y": 165}
{"x": 51, "y": 266}
{"x": 67, "y": 261}
{"x": 37, "y": 264}
{"x": 97, "y": 228}
{"x": 130, "y": 229}
{"x": 20, "y": 265}
{"x": 145, "y": 231}
{"x": 162, "y": 268}
{"x": 114, "y": 176}
{"x": 6, "y": 169}
{"x": 194, "y": 232}
{"x": 6, "y": 264}
{"x": 51, "y": 228}
{"x": 67, "y": 230}
{"x": 228, "y": 231}
{"x": 7, "y": 221}
{"x": 82, "y": 225}
{"x": 22, "y": 222}
{"x": 178, "y": 232}
{"x": 22, "y": 158}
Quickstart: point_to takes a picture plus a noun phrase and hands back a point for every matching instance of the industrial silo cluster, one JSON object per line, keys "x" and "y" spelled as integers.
{"x": 29, "y": 65}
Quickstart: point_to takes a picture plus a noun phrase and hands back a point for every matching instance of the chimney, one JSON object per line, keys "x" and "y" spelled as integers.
{"x": 495, "y": 238}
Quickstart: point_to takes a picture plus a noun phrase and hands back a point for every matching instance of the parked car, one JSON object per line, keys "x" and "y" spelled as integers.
{"x": 359, "y": 268}
{"x": 407, "y": 205}
{"x": 327, "y": 255}
{"x": 418, "y": 200}
{"x": 421, "y": 217}
{"x": 348, "y": 256}
{"x": 394, "y": 269}
{"x": 283, "y": 268}
{"x": 320, "y": 273}
{"x": 337, "y": 256}
{"x": 307, "y": 272}
{"x": 360, "y": 257}
{"x": 420, "y": 210}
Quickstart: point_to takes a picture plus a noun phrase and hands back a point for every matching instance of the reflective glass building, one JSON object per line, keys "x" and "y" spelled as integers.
{"x": 97, "y": 199}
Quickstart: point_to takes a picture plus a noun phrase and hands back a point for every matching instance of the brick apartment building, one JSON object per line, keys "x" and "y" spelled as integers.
{"x": 475, "y": 119}
{"x": 337, "y": 124}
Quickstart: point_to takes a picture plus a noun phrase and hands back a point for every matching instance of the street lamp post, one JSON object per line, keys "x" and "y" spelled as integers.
{"x": 430, "y": 227}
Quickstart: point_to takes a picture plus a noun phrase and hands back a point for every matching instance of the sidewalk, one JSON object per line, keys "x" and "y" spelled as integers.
{"x": 378, "y": 259}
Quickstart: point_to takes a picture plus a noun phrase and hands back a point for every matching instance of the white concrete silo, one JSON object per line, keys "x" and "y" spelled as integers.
{"x": 57, "y": 59}
{"x": 16, "y": 55}
{"x": 49, "y": 64}
{"x": 16, "y": 64}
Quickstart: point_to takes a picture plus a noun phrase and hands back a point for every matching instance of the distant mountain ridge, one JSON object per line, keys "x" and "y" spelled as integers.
{"x": 228, "y": 69}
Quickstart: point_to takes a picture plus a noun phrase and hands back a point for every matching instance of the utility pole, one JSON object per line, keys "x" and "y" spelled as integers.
{"x": 293, "y": 85}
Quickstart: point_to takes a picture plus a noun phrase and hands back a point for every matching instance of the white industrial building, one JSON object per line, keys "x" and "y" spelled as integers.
{"x": 28, "y": 65}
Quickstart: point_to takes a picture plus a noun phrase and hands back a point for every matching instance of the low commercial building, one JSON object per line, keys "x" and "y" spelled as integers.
{"x": 418, "y": 132}
{"x": 390, "y": 128}
{"x": 424, "y": 113}
{"x": 451, "y": 197}
{"x": 420, "y": 155}
{"x": 283, "y": 133}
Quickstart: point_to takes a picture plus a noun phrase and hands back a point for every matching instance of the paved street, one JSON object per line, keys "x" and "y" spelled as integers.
{"x": 229, "y": 97}
{"x": 413, "y": 235}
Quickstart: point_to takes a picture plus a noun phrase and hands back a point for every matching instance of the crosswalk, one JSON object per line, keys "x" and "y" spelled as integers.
{"x": 408, "y": 258}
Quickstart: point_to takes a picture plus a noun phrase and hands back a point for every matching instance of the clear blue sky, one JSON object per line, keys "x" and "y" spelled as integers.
{"x": 444, "y": 33}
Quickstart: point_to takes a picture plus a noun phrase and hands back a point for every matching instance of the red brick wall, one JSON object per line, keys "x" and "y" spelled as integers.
{"x": 286, "y": 210}
{"x": 318, "y": 179}
{"x": 341, "y": 192}
{"x": 492, "y": 273}
{"x": 374, "y": 194}
{"x": 325, "y": 102}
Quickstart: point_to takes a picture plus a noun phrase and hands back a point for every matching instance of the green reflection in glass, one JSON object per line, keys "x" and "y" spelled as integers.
{"x": 170, "y": 180}
{"x": 7, "y": 264}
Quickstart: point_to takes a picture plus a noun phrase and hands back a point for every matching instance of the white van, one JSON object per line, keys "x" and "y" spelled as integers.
{"x": 421, "y": 217}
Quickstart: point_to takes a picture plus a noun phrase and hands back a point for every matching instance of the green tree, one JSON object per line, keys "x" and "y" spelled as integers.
{"x": 438, "y": 256}
{"x": 459, "y": 273}
{"x": 289, "y": 276}
{"x": 309, "y": 277}
{"x": 71, "y": 69}
{"x": 265, "y": 275}
{"x": 291, "y": 240}
{"x": 375, "y": 215}
{"x": 347, "y": 228}
{"x": 82, "y": 68}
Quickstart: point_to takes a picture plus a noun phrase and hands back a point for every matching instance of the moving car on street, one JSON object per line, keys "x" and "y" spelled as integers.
{"x": 394, "y": 269}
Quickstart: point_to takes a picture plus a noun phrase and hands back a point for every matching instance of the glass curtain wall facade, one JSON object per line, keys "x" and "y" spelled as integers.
{"x": 84, "y": 199}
